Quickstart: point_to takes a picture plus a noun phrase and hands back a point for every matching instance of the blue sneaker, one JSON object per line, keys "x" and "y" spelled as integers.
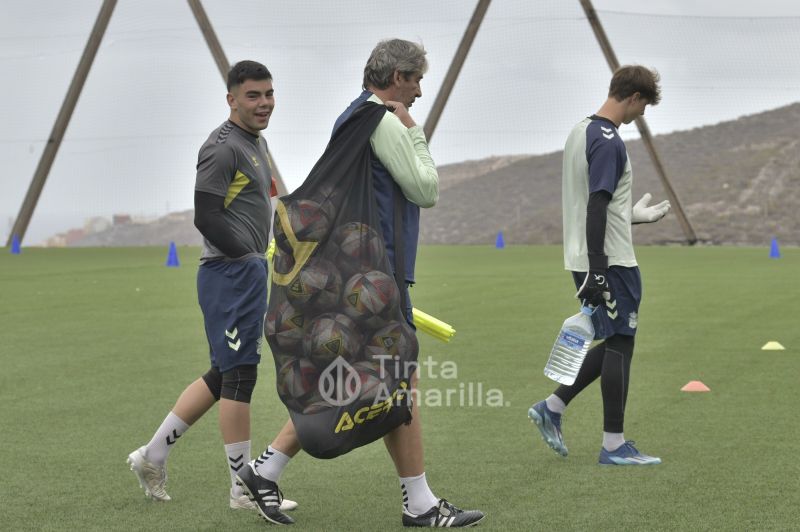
{"x": 549, "y": 424}
{"x": 627, "y": 454}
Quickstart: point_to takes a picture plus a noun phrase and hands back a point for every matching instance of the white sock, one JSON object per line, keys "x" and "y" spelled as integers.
{"x": 164, "y": 439}
{"x": 613, "y": 440}
{"x": 237, "y": 454}
{"x": 417, "y": 496}
{"x": 555, "y": 404}
{"x": 271, "y": 463}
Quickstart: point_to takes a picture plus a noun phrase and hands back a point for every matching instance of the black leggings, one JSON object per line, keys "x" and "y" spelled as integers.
{"x": 610, "y": 360}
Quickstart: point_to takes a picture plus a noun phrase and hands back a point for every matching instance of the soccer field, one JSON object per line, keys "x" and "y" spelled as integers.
{"x": 98, "y": 343}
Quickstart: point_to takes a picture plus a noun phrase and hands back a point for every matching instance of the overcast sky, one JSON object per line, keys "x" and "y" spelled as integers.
{"x": 154, "y": 92}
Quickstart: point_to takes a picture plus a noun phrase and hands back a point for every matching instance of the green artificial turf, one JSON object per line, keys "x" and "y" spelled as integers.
{"x": 97, "y": 344}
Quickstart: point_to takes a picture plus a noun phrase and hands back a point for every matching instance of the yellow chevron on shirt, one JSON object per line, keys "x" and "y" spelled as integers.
{"x": 239, "y": 182}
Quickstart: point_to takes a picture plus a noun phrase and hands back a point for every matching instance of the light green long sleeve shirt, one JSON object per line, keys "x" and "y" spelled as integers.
{"x": 404, "y": 152}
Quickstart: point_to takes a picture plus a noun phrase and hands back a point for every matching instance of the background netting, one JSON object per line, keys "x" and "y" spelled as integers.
{"x": 154, "y": 92}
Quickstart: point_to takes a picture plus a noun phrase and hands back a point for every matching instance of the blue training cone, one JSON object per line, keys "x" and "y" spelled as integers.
{"x": 499, "y": 243}
{"x": 172, "y": 258}
{"x": 774, "y": 252}
{"x": 15, "y": 246}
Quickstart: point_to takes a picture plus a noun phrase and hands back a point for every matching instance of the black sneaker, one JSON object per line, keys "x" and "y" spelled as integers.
{"x": 265, "y": 494}
{"x": 443, "y": 514}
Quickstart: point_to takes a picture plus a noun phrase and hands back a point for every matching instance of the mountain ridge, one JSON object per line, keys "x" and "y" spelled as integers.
{"x": 738, "y": 182}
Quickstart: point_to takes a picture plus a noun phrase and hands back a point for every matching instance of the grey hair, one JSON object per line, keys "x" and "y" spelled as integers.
{"x": 391, "y": 55}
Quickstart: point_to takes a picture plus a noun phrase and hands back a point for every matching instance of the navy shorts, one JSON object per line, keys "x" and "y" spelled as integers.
{"x": 233, "y": 297}
{"x": 621, "y": 314}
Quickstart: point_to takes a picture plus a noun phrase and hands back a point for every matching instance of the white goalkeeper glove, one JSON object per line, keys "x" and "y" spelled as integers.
{"x": 642, "y": 214}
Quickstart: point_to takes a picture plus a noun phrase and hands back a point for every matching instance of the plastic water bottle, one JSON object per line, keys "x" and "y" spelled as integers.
{"x": 571, "y": 347}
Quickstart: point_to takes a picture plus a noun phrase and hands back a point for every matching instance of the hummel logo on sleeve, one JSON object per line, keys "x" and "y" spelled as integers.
{"x": 607, "y": 132}
{"x": 222, "y": 136}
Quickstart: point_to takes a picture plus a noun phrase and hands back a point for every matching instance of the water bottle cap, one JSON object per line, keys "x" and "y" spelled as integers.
{"x": 588, "y": 309}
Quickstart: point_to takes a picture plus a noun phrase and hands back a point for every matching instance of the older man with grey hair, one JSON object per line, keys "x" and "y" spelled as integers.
{"x": 402, "y": 160}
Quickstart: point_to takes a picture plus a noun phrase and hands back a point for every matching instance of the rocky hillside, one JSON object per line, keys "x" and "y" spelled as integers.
{"x": 176, "y": 227}
{"x": 738, "y": 181}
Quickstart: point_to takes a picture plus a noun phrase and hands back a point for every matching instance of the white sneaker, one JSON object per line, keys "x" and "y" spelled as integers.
{"x": 242, "y": 502}
{"x": 287, "y": 505}
{"x": 151, "y": 477}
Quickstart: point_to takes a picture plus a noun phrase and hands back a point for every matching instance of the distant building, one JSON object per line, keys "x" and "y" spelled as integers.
{"x": 73, "y": 235}
{"x": 121, "y": 219}
{"x": 179, "y": 216}
{"x": 142, "y": 219}
{"x": 96, "y": 224}
{"x": 56, "y": 241}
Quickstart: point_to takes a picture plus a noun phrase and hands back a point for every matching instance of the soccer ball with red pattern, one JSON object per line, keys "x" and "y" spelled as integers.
{"x": 356, "y": 248}
{"x": 316, "y": 404}
{"x": 317, "y": 286}
{"x": 395, "y": 341}
{"x": 370, "y": 298}
{"x": 310, "y": 222}
{"x": 329, "y": 336}
{"x": 284, "y": 326}
{"x": 297, "y": 381}
{"x": 374, "y": 383}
